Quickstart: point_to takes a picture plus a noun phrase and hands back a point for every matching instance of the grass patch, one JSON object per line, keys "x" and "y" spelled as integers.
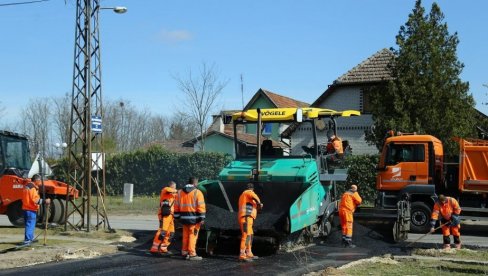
{"x": 141, "y": 205}
{"x": 462, "y": 254}
{"x": 416, "y": 267}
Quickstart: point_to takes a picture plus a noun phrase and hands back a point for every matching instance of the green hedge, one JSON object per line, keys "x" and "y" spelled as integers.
{"x": 362, "y": 172}
{"x": 149, "y": 169}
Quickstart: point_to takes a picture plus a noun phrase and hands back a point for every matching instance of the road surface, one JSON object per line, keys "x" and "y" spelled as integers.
{"x": 137, "y": 261}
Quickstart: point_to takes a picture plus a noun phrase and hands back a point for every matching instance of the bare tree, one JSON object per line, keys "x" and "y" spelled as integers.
{"x": 130, "y": 128}
{"x": 200, "y": 95}
{"x": 35, "y": 123}
{"x": 125, "y": 127}
{"x": 181, "y": 127}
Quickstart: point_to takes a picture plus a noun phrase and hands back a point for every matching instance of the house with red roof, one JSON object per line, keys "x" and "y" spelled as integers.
{"x": 220, "y": 136}
{"x": 349, "y": 91}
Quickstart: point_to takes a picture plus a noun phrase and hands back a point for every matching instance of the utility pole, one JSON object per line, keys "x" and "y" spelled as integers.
{"x": 86, "y": 114}
{"x": 242, "y": 91}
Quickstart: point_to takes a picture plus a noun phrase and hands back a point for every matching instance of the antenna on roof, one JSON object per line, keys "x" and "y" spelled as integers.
{"x": 242, "y": 91}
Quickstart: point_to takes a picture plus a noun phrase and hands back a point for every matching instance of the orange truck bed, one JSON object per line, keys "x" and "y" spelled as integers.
{"x": 473, "y": 165}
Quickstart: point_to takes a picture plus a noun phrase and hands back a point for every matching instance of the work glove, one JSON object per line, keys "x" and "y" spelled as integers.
{"x": 455, "y": 220}
{"x": 432, "y": 230}
{"x": 432, "y": 223}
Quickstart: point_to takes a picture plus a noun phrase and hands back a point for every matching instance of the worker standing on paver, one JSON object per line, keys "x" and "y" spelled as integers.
{"x": 348, "y": 204}
{"x": 249, "y": 203}
{"x": 190, "y": 210}
{"x": 335, "y": 150}
{"x": 30, "y": 204}
{"x": 449, "y": 210}
{"x": 166, "y": 229}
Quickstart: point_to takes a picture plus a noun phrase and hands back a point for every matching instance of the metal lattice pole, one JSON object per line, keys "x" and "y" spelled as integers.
{"x": 86, "y": 105}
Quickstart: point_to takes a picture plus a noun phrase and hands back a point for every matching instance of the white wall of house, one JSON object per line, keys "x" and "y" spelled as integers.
{"x": 349, "y": 128}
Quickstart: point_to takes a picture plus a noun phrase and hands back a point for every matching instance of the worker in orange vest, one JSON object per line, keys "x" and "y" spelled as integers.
{"x": 190, "y": 210}
{"x": 348, "y": 204}
{"x": 335, "y": 150}
{"x": 166, "y": 230}
{"x": 249, "y": 202}
{"x": 449, "y": 210}
{"x": 30, "y": 205}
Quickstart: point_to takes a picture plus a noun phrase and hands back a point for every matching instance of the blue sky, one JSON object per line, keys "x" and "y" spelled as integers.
{"x": 294, "y": 48}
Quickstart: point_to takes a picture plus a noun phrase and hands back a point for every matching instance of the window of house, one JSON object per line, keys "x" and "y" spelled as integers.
{"x": 365, "y": 101}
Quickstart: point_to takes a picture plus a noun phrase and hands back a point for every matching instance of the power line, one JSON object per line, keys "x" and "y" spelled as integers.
{"x": 22, "y": 3}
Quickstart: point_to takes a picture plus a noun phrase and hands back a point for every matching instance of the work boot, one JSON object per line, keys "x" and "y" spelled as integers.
{"x": 244, "y": 258}
{"x": 184, "y": 255}
{"x": 194, "y": 258}
{"x": 446, "y": 246}
{"x": 26, "y": 243}
{"x": 249, "y": 255}
{"x": 349, "y": 244}
{"x": 458, "y": 245}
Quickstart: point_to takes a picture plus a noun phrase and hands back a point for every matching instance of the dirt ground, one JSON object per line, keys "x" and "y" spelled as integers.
{"x": 59, "y": 246}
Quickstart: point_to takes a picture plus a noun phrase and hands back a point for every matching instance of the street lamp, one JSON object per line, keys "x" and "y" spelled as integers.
{"x": 119, "y": 10}
{"x": 61, "y": 146}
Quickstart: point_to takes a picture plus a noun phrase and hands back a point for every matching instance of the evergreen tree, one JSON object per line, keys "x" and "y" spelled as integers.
{"x": 426, "y": 94}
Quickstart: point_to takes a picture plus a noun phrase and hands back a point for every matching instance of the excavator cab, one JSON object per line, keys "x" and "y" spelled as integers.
{"x": 14, "y": 153}
{"x": 15, "y": 164}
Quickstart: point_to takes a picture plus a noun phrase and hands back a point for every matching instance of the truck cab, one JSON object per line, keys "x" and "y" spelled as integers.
{"x": 412, "y": 165}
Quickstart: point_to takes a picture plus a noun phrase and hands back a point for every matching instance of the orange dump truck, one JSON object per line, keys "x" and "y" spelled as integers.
{"x": 414, "y": 165}
{"x": 15, "y": 164}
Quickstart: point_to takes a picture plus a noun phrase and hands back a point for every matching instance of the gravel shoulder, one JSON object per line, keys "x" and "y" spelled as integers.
{"x": 59, "y": 246}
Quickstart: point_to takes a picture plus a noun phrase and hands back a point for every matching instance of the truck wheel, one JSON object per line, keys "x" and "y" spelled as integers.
{"x": 420, "y": 217}
{"x": 15, "y": 214}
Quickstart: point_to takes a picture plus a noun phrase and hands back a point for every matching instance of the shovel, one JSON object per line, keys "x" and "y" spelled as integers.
{"x": 425, "y": 235}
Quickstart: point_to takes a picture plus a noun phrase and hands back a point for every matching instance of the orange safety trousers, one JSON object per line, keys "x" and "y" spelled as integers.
{"x": 346, "y": 218}
{"x": 451, "y": 230}
{"x": 190, "y": 236}
{"x": 167, "y": 227}
{"x": 246, "y": 223}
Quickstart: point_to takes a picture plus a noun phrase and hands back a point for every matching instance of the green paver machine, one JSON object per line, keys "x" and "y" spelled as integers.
{"x": 295, "y": 189}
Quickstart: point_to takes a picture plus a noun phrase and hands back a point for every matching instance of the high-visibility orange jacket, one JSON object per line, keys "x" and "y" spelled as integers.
{"x": 189, "y": 205}
{"x": 248, "y": 202}
{"x": 167, "y": 197}
{"x": 349, "y": 201}
{"x": 30, "y": 198}
{"x": 446, "y": 209}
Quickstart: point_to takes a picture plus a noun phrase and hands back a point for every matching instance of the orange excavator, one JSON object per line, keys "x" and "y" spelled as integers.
{"x": 15, "y": 164}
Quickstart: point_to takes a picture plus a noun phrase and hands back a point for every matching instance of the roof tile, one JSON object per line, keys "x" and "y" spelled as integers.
{"x": 373, "y": 69}
{"x": 283, "y": 101}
